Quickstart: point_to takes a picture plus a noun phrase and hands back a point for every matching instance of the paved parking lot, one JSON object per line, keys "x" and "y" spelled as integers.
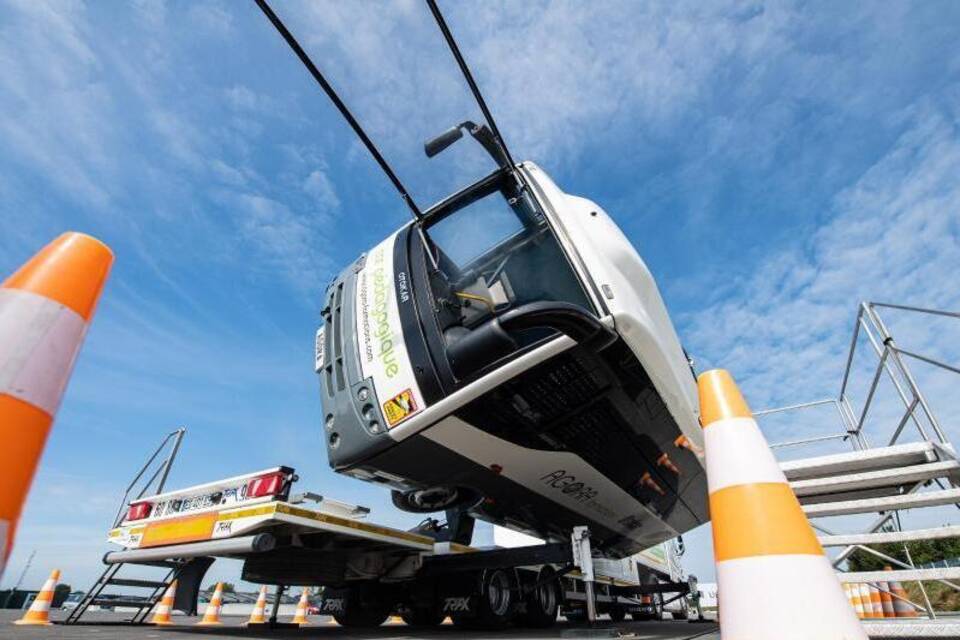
{"x": 323, "y": 627}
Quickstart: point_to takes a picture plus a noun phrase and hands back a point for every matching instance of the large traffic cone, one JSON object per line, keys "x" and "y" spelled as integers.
{"x": 763, "y": 545}
{"x": 162, "y": 613}
{"x": 886, "y": 600}
{"x": 45, "y": 308}
{"x": 300, "y": 617}
{"x": 211, "y": 615}
{"x": 901, "y": 607}
{"x": 39, "y": 611}
{"x": 257, "y": 616}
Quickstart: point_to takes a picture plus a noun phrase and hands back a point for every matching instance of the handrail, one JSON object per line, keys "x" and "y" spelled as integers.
{"x": 162, "y": 471}
{"x": 890, "y": 361}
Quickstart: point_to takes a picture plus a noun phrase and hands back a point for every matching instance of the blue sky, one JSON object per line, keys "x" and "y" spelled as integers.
{"x": 773, "y": 163}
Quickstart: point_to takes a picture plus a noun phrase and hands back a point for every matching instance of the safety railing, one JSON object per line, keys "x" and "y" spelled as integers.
{"x": 156, "y": 480}
{"x": 891, "y": 360}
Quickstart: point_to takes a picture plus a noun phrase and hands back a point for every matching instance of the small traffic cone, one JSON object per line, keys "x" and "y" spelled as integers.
{"x": 774, "y": 580}
{"x": 665, "y": 461}
{"x": 865, "y": 599}
{"x": 646, "y": 480}
{"x": 257, "y": 616}
{"x": 853, "y": 594}
{"x": 162, "y": 614}
{"x": 901, "y": 607}
{"x": 39, "y": 611}
{"x": 886, "y": 600}
{"x": 45, "y": 309}
{"x": 300, "y": 617}
{"x": 876, "y": 602}
{"x": 683, "y": 442}
{"x": 211, "y": 615}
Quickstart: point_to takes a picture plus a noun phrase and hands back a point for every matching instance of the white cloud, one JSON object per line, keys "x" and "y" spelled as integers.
{"x": 284, "y": 241}
{"x": 318, "y": 186}
{"x": 894, "y": 235}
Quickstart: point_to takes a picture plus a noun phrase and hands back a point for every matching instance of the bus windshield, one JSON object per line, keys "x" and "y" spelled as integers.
{"x": 495, "y": 252}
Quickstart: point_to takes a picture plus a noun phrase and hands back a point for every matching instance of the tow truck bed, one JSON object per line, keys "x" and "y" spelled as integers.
{"x": 284, "y": 542}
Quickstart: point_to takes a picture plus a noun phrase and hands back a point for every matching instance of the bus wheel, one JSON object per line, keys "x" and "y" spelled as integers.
{"x": 543, "y": 602}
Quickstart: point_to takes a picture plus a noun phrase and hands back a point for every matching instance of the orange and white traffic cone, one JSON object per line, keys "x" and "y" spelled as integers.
{"x": 853, "y": 594}
{"x": 39, "y": 611}
{"x": 683, "y": 442}
{"x": 886, "y": 600}
{"x": 257, "y": 616}
{"x": 665, "y": 461}
{"x": 300, "y": 617}
{"x": 772, "y": 573}
{"x": 45, "y": 308}
{"x": 162, "y": 614}
{"x": 876, "y": 602}
{"x": 211, "y": 615}
{"x": 901, "y": 607}
{"x": 868, "y": 611}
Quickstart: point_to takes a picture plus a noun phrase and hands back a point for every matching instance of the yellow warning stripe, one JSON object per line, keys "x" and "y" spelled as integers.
{"x": 262, "y": 510}
{"x": 353, "y": 524}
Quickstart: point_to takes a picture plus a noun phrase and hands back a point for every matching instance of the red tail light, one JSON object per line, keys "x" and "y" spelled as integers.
{"x": 139, "y": 510}
{"x": 267, "y": 485}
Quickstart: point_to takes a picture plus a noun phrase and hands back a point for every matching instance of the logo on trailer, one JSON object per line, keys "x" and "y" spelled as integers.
{"x": 399, "y": 407}
{"x": 332, "y": 605}
{"x": 456, "y": 605}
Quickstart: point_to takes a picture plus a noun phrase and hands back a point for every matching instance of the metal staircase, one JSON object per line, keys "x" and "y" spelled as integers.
{"x": 141, "y": 604}
{"x": 886, "y": 480}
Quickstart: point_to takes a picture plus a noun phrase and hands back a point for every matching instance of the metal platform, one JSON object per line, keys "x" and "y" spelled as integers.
{"x": 912, "y": 629}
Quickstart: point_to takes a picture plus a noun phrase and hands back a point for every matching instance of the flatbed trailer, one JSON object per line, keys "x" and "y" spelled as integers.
{"x": 370, "y": 571}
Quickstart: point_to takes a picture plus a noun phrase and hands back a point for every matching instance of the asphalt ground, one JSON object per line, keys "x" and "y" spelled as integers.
{"x": 324, "y": 627}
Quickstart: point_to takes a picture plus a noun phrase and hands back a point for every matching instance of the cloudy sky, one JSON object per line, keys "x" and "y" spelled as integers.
{"x": 773, "y": 162}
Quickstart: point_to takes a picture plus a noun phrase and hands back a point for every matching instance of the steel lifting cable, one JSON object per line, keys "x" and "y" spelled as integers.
{"x": 338, "y": 103}
{"x": 448, "y": 36}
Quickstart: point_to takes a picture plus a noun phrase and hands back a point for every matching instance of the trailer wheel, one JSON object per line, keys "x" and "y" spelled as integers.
{"x": 617, "y": 614}
{"x": 497, "y": 601}
{"x": 575, "y": 616}
{"x": 544, "y": 601}
{"x": 364, "y": 607}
